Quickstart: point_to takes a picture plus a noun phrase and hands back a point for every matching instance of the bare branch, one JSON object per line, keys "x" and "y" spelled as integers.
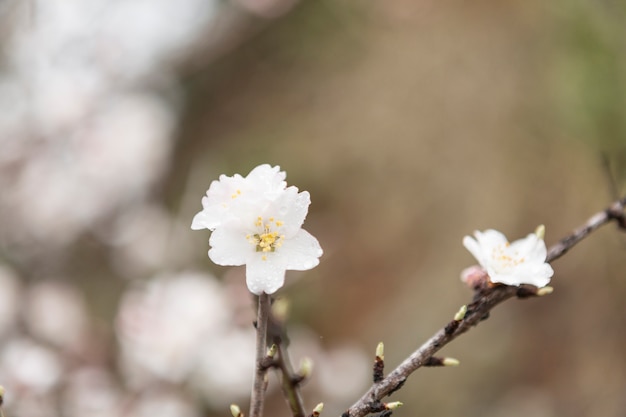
{"x": 260, "y": 381}
{"x": 290, "y": 380}
{"x": 485, "y": 298}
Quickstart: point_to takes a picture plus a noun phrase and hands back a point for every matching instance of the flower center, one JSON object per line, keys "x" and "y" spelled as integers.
{"x": 505, "y": 258}
{"x": 268, "y": 239}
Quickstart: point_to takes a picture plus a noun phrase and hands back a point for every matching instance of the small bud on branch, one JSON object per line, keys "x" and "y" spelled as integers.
{"x": 393, "y": 405}
{"x": 461, "y": 313}
{"x": 544, "y": 291}
{"x": 235, "y": 411}
{"x": 317, "y": 410}
{"x": 379, "y": 363}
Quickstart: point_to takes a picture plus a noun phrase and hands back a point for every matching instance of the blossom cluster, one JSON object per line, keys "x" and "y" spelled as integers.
{"x": 257, "y": 221}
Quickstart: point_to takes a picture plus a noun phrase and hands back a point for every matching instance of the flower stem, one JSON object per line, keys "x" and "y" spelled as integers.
{"x": 260, "y": 383}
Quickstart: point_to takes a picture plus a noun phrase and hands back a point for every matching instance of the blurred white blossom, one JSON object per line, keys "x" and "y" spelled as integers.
{"x": 10, "y": 295}
{"x": 56, "y": 313}
{"x": 27, "y": 366}
{"x": 91, "y": 392}
{"x": 164, "y": 327}
{"x": 225, "y": 369}
{"x": 180, "y": 328}
{"x": 163, "y": 403}
{"x": 87, "y": 96}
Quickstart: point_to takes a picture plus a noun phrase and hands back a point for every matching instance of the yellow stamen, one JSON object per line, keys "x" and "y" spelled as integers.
{"x": 267, "y": 239}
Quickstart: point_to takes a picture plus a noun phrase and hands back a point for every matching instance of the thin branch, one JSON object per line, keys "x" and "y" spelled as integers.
{"x": 484, "y": 300}
{"x": 290, "y": 380}
{"x": 290, "y": 383}
{"x": 260, "y": 381}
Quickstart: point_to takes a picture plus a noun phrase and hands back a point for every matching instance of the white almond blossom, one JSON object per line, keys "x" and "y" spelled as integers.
{"x": 257, "y": 222}
{"x": 516, "y": 263}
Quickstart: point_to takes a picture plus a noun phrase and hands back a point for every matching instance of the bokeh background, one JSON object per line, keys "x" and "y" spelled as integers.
{"x": 411, "y": 123}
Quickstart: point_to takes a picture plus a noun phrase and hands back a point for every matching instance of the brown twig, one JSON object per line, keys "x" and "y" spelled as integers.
{"x": 484, "y": 300}
{"x": 290, "y": 383}
{"x": 260, "y": 381}
{"x": 290, "y": 380}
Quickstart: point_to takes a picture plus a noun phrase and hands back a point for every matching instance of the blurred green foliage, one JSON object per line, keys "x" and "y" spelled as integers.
{"x": 591, "y": 78}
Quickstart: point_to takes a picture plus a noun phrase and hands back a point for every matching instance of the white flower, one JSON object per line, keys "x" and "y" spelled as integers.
{"x": 257, "y": 222}
{"x": 520, "y": 262}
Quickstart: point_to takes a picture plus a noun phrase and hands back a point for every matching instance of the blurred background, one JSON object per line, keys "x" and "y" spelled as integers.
{"x": 411, "y": 123}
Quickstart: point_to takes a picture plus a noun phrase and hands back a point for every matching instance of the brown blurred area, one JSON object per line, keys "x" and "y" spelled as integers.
{"x": 412, "y": 124}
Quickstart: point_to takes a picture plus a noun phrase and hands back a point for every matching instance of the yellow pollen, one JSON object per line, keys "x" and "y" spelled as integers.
{"x": 506, "y": 260}
{"x": 266, "y": 240}
{"x": 236, "y": 194}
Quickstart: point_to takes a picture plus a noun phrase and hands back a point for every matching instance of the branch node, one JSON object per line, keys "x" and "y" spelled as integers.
{"x": 376, "y": 406}
{"x": 616, "y": 212}
{"x": 451, "y": 327}
{"x": 397, "y": 387}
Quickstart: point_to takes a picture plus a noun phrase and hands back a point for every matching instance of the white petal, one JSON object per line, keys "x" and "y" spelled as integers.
{"x": 199, "y": 221}
{"x": 210, "y": 218}
{"x": 272, "y": 177}
{"x": 528, "y": 247}
{"x": 490, "y": 239}
{"x": 543, "y": 275}
{"x": 291, "y": 208}
{"x": 264, "y": 275}
{"x": 539, "y": 250}
{"x": 474, "y": 248}
{"x": 301, "y": 252}
{"x": 229, "y": 246}
{"x": 532, "y": 274}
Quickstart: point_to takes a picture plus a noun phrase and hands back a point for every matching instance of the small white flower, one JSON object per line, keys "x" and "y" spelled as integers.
{"x": 257, "y": 222}
{"x": 520, "y": 262}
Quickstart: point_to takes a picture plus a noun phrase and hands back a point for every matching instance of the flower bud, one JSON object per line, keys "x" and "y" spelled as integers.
{"x": 306, "y": 367}
{"x": 380, "y": 351}
{"x": 540, "y": 231}
{"x": 318, "y": 409}
{"x": 235, "y": 411}
{"x": 393, "y": 405}
{"x": 460, "y": 315}
{"x": 451, "y": 362}
{"x": 544, "y": 291}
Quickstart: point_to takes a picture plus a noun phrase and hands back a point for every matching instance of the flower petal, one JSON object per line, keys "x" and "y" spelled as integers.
{"x": 200, "y": 221}
{"x": 291, "y": 208}
{"x": 301, "y": 252}
{"x": 475, "y": 249}
{"x": 490, "y": 238}
{"x": 229, "y": 245}
{"x": 264, "y": 275}
{"x": 269, "y": 179}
